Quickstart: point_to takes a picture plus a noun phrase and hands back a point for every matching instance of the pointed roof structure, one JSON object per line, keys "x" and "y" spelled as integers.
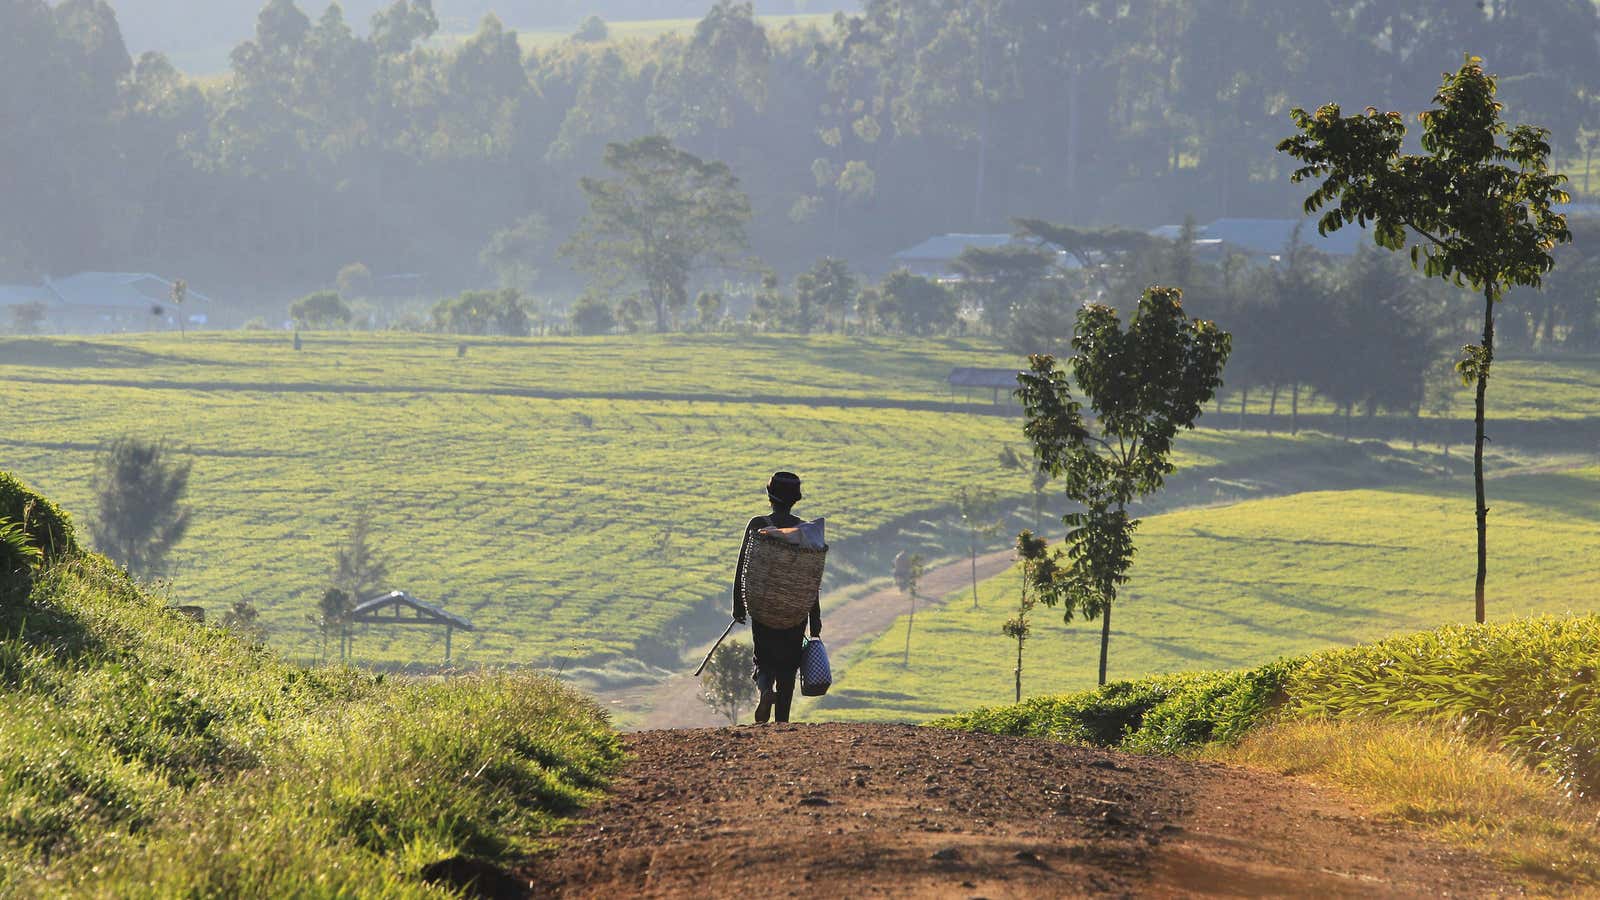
{"x": 391, "y": 608}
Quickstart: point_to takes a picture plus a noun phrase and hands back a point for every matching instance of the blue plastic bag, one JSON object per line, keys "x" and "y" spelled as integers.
{"x": 816, "y": 676}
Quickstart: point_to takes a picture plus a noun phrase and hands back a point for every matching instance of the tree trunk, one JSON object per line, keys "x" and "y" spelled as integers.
{"x": 1105, "y": 641}
{"x": 1294, "y": 409}
{"x": 1272, "y": 407}
{"x": 974, "y": 548}
{"x": 1477, "y": 450}
{"x": 983, "y": 120}
{"x": 910, "y": 618}
{"x": 1244, "y": 399}
{"x": 1349, "y": 411}
{"x": 1019, "y": 670}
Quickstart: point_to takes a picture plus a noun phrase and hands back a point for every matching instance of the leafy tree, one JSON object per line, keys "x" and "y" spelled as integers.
{"x": 999, "y": 278}
{"x": 826, "y": 290}
{"x": 139, "y": 492}
{"x": 979, "y": 511}
{"x": 663, "y": 215}
{"x": 1042, "y": 321}
{"x": 727, "y": 686}
{"x": 483, "y": 312}
{"x": 244, "y": 619}
{"x": 908, "y": 572}
{"x": 1142, "y": 384}
{"x": 1038, "y": 567}
{"x": 323, "y": 309}
{"x": 915, "y": 305}
{"x": 332, "y": 618}
{"x": 514, "y": 252}
{"x": 708, "y": 309}
{"x": 592, "y": 315}
{"x": 592, "y": 30}
{"x": 1475, "y": 208}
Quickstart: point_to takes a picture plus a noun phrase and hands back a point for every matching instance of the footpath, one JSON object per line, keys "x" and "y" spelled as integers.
{"x": 892, "y": 810}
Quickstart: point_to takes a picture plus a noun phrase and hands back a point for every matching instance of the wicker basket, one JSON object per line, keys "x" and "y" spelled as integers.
{"x": 781, "y": 580}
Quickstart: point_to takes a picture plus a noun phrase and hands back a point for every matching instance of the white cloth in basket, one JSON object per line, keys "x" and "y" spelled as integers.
{"x": 810, "y": 535}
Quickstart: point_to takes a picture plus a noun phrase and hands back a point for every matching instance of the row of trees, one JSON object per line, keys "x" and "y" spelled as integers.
{"x": 329, "y": 141}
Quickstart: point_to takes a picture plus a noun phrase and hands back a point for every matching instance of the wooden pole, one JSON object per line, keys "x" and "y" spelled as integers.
{"x": 704, "y": 662}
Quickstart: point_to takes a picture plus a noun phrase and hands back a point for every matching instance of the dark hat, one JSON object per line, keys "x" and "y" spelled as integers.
{"x": 784, "y": 487}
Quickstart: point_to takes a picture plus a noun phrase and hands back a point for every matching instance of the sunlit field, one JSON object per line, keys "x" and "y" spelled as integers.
{"x": 577, "y": 499}
{"x": 1236, "y": 586}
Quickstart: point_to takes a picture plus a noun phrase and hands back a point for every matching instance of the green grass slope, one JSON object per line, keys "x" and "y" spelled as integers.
{"x": 569, "y": 496}
{"x": 1234, "y": 586}
{"x": 149, "y": 755}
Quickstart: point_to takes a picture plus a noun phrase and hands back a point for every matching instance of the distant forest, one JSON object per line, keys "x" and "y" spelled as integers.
{"x": 334, "y": 141}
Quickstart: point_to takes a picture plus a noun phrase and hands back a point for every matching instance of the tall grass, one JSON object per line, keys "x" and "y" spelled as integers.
{"x": 149, "y": 755}
{"x": 1434, "y": 777}
{"x": 1486, "y": 734}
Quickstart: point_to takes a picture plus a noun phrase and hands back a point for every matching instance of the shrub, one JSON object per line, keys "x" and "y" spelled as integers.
{"x": 47, "y": 527}
{"x": 323, "y": 309}
{"x": 1162, "y": 714}
{"x": 1527, "y": 685}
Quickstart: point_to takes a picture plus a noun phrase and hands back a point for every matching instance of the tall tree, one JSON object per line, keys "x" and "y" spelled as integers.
{"x": 1038, "y": 566}
{"x": 908, "y": 571}
{"x": 1475, "y": 208}
{"x": 139, "y": 498}
{"x": 980, "y": 516}
{"x": 1143, "y": 384}
{"x": 665, "y": 214}
{"x": 827, "y": 289}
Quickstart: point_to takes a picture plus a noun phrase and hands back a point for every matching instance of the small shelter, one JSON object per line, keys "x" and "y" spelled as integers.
{"x": 402, "y": 609}
{"x": 997, "y": 380}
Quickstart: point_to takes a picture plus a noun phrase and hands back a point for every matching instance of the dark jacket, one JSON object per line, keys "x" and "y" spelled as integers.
{"x": 776, "y": 520}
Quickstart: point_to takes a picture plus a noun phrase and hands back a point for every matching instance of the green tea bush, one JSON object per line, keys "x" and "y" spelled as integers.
{"x": 1527, "y": 685}
{"x": 47, "y": 526}
{"x": 1163, "y": 714}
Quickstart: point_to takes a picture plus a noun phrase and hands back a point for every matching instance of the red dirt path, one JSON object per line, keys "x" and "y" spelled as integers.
{"x": 840, "y": 810}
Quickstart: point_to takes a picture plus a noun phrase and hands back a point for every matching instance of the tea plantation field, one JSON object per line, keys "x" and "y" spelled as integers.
{"x": 568, "y": 496}
{"x": 1236, "y": 586}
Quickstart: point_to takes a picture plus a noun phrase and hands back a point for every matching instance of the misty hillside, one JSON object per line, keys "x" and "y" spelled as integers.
{"x": 407, "y": 152}
{"x": 202, "y": 33}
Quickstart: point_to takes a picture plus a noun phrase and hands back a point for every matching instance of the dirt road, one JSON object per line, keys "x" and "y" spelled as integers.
{"x": 856, "y": 810}
{"x": 675, "y": 703}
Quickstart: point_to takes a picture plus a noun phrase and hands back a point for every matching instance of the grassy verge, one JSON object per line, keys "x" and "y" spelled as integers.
{"x": 1486, "y": 734}
{"x": 149, "y": 755}
{"x": 1435, "y": 778}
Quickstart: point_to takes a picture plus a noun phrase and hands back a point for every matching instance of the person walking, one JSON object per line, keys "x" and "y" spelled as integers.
{"x": 777, "y": 650}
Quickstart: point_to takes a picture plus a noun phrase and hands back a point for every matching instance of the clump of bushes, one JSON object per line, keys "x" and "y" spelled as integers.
{"x": 1527, "y": 686}
{"x": 46, "y": 526}
{"x": 1163, "y": 714}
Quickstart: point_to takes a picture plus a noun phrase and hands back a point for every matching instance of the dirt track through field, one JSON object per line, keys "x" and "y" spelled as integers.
{"x": 894, "y": 810}
{"x": 675, "y": 703}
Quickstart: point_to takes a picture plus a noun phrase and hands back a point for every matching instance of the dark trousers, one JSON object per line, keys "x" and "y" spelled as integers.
{"x": 781, "y": 684}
